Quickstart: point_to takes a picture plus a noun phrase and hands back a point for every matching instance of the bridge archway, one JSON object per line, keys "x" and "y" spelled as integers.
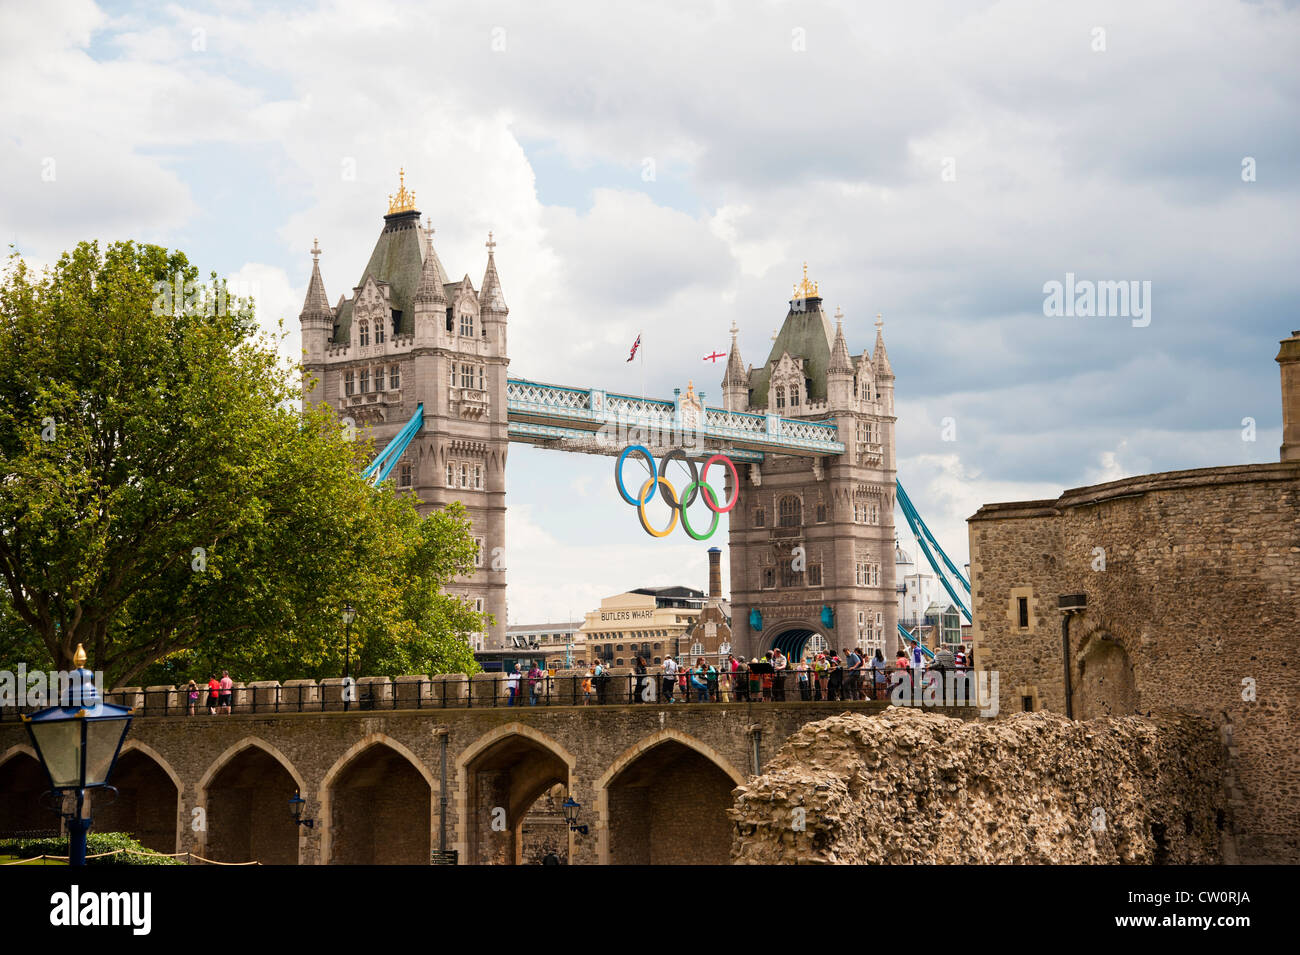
{"x": 22, "y": 782}
{"x": 1103, "y": 683}
{"x": 500, "y": 777}
{"x": 245, "y": 796}
{"x": 148, "y": 804}
{"x": 664, "y": 801}
{"x": 376, "y": 806}
{"x": 794, "y": 638}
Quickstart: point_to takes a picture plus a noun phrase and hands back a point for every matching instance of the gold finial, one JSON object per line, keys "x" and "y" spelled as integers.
{"x": 404, "y": 201}
{"x": 806, "y": 289}
{"x": 315, "y": 251}
{"x": 79, "y": 658}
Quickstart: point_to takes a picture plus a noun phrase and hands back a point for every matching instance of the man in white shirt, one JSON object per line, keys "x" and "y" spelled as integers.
{"x": 670, "y": 678}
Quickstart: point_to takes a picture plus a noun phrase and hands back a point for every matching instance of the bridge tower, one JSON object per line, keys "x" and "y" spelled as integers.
{"x": 409, "y": 335}
{"x": 812, "y": 540}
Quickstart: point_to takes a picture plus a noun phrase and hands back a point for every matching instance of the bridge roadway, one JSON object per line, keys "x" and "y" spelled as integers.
{"x": 598, "y": 422}
{"x": 654, "y": 781}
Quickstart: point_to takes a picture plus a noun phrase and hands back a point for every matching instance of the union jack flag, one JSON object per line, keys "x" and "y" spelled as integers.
{"x": 635, "y": 345}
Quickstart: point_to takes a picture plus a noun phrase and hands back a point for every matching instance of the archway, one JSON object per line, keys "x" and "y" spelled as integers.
{"x": 501, "y": 778}
{"x": 792, "y": 639}
{"x": 1103, "y": 683}
{"x": 246, "y": 798}
{"x": 377, "y": 802}
{"x": 22, "y": 782}
{"x": 147, "y": 803}
{"x": 665, "y": 802}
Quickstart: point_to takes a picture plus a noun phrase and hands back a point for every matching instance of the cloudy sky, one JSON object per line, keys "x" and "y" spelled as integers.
{"x": 665, "y": 168}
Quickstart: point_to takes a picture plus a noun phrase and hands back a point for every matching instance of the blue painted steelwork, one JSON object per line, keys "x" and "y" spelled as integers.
{"x": 924, "y": 539}
{"x": 383, "y": 465}
{"x": 911, "y": 639}
{"x": 535, "y": 406}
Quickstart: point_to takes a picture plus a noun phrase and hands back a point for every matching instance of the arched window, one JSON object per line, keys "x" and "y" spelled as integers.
{"x": 379, "y": 333}
{"x": 466, "y": 323}
{"x": 791, "y": 512}
{"x": 364, "y": 333}
{"x": 780, "y": 397}
{"x": 816, "y": 644}
{"x": 697, "y": 650}
{"x": 794, "y": 396}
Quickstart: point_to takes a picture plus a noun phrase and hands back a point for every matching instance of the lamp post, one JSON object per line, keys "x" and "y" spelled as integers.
{"x": 296, "y": 802}
{"x": 348, "y": 616}
{"x": 571, "y": 808}
{"x": 78, "y": 743}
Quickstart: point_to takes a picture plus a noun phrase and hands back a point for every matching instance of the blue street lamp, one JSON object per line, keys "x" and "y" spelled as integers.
{"x": 570, "y": 809}
{"x": 78, "y": 743}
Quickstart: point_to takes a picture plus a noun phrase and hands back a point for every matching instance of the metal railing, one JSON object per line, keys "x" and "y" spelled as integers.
{"x": 948, "y": 686}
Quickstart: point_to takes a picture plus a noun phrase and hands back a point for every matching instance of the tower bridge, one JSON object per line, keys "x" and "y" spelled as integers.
{"x": 811, "y": 429}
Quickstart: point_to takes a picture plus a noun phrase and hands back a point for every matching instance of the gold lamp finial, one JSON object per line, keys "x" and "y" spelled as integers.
{"x": 79, "y": 658}
{"x": 404, "y": 201}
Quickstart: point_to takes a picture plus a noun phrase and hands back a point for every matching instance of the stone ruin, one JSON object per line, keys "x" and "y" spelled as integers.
{"x": 908, "y": 786}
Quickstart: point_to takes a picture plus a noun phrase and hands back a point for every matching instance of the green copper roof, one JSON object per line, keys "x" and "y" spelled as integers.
{"x": 806, "y": 333}
{"x": 397, "y": 259}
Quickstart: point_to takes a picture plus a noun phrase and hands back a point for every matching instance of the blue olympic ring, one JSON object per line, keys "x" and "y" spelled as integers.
{"x": 657, "y": 482}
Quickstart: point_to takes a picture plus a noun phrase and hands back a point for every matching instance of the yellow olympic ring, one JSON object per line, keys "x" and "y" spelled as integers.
{"x": 640, "y": 509}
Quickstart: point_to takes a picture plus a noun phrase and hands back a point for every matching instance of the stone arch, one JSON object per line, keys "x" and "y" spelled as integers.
{"x": 664, "y": 800}
{"x": 22, "y": 783}
{"x": 149, "y": 803}
{"x": 791, "y": 635}
{"x": 505, "y": 769}
{"x": 1102, "y": 678}
{"x": 244, "y": 795}
{"x": 361, "y": 826}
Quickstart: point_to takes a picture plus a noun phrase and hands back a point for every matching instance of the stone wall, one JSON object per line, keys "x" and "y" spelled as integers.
{"x": 908, "y": 786}
{"x": 1193, "y": 599}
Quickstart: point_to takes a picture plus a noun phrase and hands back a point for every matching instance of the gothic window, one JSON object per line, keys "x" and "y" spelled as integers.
{"x": 478, "y": 552}
{"x": 478, "y": 477}
{"x": 780, "y": 398}
{"x": 790, "y": 577}
{"x": 871, "y": 434}
{"x": 821, "y": 513}
{"x": 397, "y": 321}
{"x": 480, "y": 377}
{"x": 873, "y": 514}
{"x": 466, "y": 323}
{"x": 452, "y": 368}
{"x": 451, "y": 474}
{"x": 405, "y": 480}
{"x": 769, "y": 578}
{"x": 395, "y": 377}
{"x": 791, "y": 512}
{"x": 759, "y": 518}
{"x": 365, "y": 380}
{"x": 855, "y": 386}
{"x": 467, "y": 376}
{"x": 364, "y": 332}
{"x": 349, "y": 385}
{"x": 379, "y": 378}
{"x": 464, "y": 475}
{"x": 794, "y": 397}
{"x": 814, "y": 575}
{"x": 862, "y": 578}
{"x": 451, "y": 322}
{"x": 379, "y": 331}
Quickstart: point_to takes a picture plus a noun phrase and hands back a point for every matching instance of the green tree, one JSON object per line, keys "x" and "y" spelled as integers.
{"x": 162, "y": 495}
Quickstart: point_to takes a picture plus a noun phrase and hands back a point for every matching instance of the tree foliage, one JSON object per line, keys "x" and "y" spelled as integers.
{"x": 164, "y": 503}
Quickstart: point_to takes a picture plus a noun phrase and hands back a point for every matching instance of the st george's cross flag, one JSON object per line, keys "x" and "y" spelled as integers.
{"x": 635, "y": 345}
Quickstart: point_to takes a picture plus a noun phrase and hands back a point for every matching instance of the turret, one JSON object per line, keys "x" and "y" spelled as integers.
{"x": 430, "y": 303}
{"x": 883, "y": 372}
{"x": 317, "y": 322}
{"x": 735, "y": 382}
{"x": 839, "y": 371}
{"x": 492, "y": 302}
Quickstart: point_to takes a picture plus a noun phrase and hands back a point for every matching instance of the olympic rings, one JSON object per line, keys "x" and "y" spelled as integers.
{"x": 658, "y": 482}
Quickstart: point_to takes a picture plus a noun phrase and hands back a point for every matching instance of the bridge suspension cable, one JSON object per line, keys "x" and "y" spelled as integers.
{"x": 379, "y": 469}
{"x": 925, "y": 540}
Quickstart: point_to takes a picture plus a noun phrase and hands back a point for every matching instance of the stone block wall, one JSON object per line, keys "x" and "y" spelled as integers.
{"x": 1192, "y": 581}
